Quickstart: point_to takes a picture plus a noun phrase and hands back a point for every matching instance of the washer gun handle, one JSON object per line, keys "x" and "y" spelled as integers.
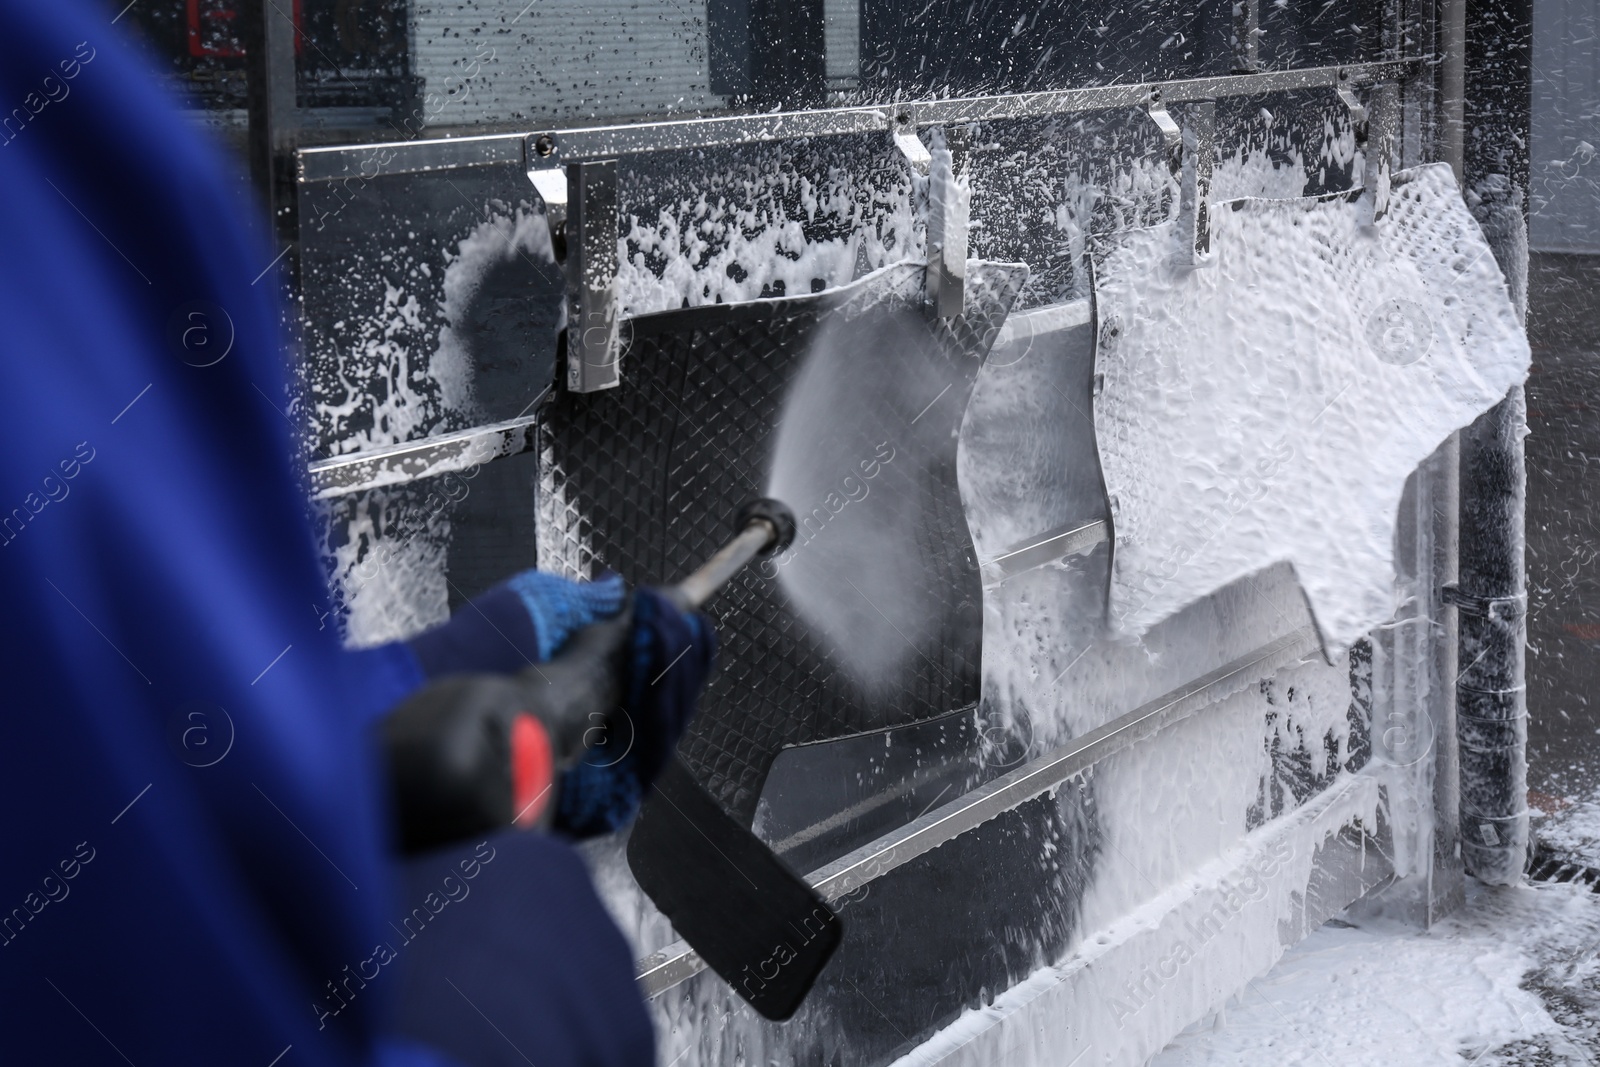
{"x": 474, "y": 753}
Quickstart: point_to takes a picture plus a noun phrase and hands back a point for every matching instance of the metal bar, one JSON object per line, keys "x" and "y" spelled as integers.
{"x": 331, "y": 162}
{"x": 714, "y": 573}
{"x": 678, "y": 962}
{"x": 1199, "y": 160}
{"x": 418, "y": 156}
{"x": 427, "y": 458}
{"x": 1383, "y": 130}
{"x": 1047, "y": 547}
{"x": 593, "y": 359}
{"x": 269, "y": 35}
{"x": 949, "y": 219}
{"x": 1452, "y": 43}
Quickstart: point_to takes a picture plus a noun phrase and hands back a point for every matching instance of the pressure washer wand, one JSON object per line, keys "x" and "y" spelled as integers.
{"x": 766, "y": 527}
{"x": 474, "y": 753}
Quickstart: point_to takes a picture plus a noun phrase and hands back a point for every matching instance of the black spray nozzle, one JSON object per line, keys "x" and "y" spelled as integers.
{"x": 776, "y": 514}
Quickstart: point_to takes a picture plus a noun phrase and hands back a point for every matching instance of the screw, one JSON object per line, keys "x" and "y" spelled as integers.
{"x": 545, "y": 144}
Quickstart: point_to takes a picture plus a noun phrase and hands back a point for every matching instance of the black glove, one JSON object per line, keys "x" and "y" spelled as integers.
{"x": 481, "y": 748}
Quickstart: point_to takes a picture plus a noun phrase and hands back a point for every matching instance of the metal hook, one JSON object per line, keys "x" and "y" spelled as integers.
{"x": 1383, "y": 120}
{"x": 580, "y": 205}
{"x": 903, "y": 132}
{"x": 541, "y": 157}
{"x": 1191, "y": 156}
{"x": 1171, "y": 132}
{"x": 949, "y": 218}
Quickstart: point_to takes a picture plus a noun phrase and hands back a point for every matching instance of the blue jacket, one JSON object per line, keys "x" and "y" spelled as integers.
{"x": 194, "y": 861}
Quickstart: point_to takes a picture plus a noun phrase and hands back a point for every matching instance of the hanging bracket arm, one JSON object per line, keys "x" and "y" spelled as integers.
{"x": 580, "y": 206}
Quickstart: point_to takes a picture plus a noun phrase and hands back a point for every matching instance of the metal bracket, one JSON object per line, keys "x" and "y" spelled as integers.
{"x": 1357, "y": 112}
{"x": 1375, "y": 125}
{"x": 1199, "y": 161}
{"x": 1171, "y": 132}
{"x": 580, "y": 204}
{"x": 1383, "y": 125}
{"x": 1246, "y": 37}
{"x": 1493, "y": 607}
{"x": 903, "y": 132}
{"x": 949, "y": 217}
{"x": 542, "y": 161}
{"x": 594, "y": 357}
{"x": 1192, "y": 157}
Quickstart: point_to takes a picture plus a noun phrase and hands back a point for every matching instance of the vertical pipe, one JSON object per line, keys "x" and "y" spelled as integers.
{"x": 1491, "y": 690}
{"x": 269, "y": 45}
{"x": 1446, "y": 890}
{"x": 1246, "y": 36}
{"x": 270, "y": 103}
{"x": 1452, "y": 44}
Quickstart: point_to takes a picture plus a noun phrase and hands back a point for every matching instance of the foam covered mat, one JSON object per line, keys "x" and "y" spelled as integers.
{"x": 1268, "y": 405}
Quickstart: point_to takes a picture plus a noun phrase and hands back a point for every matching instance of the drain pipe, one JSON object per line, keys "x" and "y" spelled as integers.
{"x": 1486, "y": 92}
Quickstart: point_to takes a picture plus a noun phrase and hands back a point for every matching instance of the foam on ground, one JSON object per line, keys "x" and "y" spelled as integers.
{"x": 1508, "y": 980}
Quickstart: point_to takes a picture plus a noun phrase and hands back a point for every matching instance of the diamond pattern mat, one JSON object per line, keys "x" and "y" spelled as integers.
{"x": 646, "y": 479}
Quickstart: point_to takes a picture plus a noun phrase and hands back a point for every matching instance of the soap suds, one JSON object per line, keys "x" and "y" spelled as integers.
{"x": 1236, "y": 393}
{"x": 1507, "y": 980}
{"x": 386, "y": 549}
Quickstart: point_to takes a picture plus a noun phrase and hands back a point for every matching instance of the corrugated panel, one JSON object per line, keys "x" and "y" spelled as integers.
{"x": 1564, "y": 213}
{"x": 559, "y": 60}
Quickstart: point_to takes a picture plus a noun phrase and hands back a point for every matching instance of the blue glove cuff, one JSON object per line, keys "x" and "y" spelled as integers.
{"x": 598, "y": 798}
{"x": 559, "y": 607}
{"x": 521, "y": 621}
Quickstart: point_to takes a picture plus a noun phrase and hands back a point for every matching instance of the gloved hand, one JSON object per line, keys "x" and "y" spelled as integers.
{"x": 671, "y": 656}
{"x": 527, "y": 620}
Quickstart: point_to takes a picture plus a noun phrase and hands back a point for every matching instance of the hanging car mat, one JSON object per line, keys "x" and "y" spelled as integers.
{"x": 645, "y": 478}
{"x": 1269, "y": 404}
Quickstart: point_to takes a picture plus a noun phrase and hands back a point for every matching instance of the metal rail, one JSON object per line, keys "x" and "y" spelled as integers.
{"x": 366, "y": 161}
{"x": 1068, "y": 540}
{"x": 678, "y": 962}
{"x": 425, "y": 458}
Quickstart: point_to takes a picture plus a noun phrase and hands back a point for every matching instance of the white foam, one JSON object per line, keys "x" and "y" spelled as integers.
{"x": 720, "y": 248}
{"x": 1380, "y": 993}
{"x": 388, "y": 574}
{"x": 1269, "y": 405}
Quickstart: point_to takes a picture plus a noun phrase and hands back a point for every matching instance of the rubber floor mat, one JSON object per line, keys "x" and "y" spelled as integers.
{"x": 1269, "y": 405}
{"x": 645, "y": 480}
